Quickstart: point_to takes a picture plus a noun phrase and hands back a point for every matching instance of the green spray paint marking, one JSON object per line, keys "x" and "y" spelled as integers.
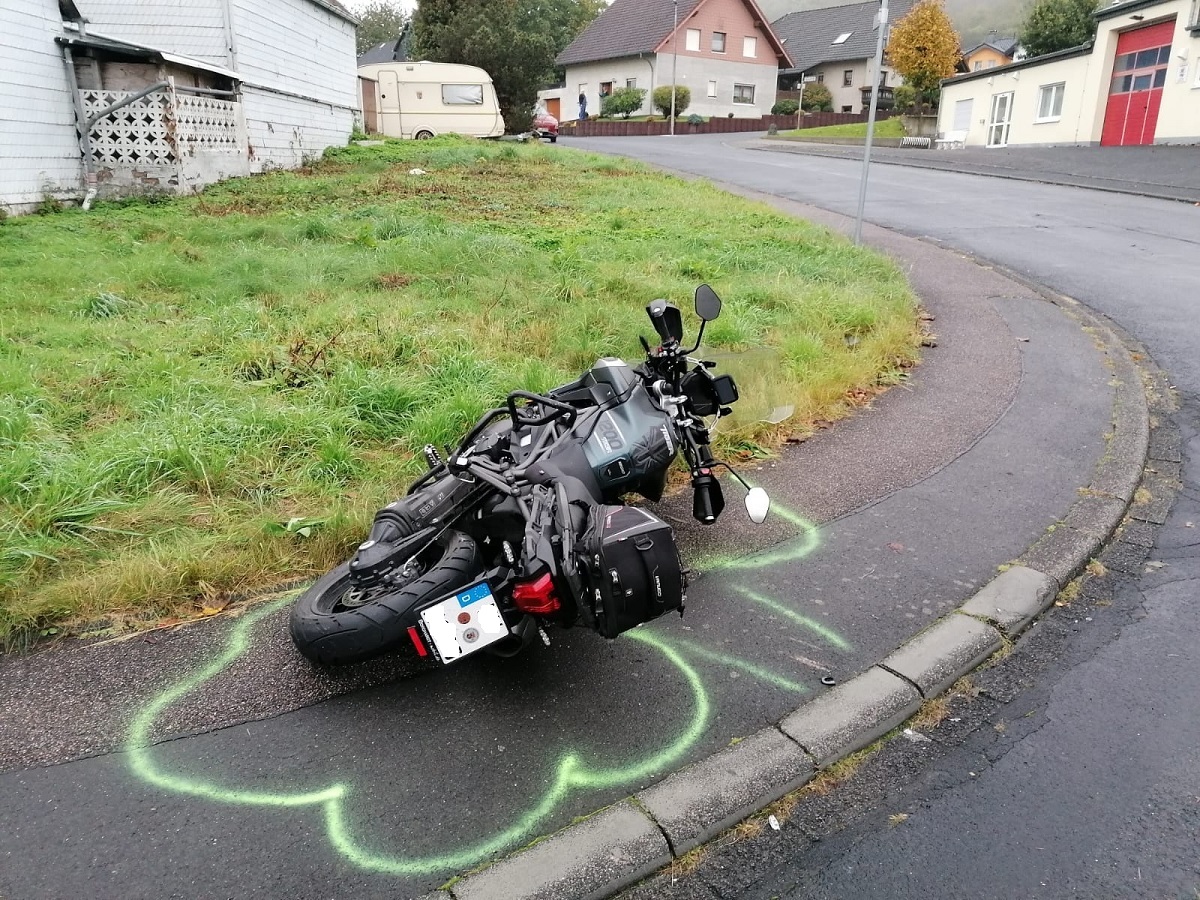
{"x": 804, "y": 621}
{"x": 572, "y": 772}
{"x": 738, "y": 663}
{"x": 803, "y": 545}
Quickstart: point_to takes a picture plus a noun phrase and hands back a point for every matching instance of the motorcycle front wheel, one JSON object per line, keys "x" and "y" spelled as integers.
{"x": 332, "y": 624}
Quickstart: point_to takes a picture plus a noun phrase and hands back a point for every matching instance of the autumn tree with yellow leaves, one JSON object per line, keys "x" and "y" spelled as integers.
{"x": 924, "y": 48}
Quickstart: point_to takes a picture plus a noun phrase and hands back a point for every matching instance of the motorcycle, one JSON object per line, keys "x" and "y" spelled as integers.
{"x": 523, "y": 524}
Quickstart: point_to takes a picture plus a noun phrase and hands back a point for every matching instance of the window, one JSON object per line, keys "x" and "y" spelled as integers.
{"x": 978, "y": 65}
{"x": 1194, "y": 18}
{"x": 847, "y": 109}
{"x": 630, "y": 82}
{"x": 991, "y": 64}
{"x": 462, "y": 94}
{"x": 1050, "y": 100}
{"x": 848, "y": 78}
{"x": 693, "y": 39}
{"x": 843, "y": 37}
{"x": 820, "y": 78}
{"x": 750, "y": 47}
{"x": 605, "y": 89}
{"x": 718, "y": 42}
{"x": 743, "y": 93}
{"x": 712, "y": 89}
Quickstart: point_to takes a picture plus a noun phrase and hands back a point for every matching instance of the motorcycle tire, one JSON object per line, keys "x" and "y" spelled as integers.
{"x": 332, "y": 636}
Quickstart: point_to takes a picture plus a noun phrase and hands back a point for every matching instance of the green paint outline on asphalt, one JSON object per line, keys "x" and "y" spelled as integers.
{"x": 572, "y": 772}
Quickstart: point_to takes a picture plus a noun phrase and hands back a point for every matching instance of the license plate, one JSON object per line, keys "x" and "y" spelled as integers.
{"x": 463, "y": 623}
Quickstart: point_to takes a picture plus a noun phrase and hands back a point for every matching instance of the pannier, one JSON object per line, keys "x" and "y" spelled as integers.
{"x": 630, "y": 569}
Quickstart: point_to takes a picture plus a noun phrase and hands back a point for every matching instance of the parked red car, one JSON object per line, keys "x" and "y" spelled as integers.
{"x": 545, "y": 125}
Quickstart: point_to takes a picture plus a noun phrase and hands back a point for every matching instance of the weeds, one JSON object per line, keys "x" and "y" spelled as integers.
{"x": 279, "y": 349}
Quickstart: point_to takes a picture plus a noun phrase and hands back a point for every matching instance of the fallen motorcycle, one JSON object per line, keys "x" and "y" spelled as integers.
{"x": 523, "y": 525}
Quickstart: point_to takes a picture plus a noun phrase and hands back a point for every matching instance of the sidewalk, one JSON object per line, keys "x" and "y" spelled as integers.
{"x": 877, "y": 572}
{"x": 1166, "y": 172}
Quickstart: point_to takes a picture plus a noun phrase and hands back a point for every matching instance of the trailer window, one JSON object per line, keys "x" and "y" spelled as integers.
{"x": 462, "y": 94}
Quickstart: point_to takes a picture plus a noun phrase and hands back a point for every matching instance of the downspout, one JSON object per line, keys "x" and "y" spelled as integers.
{"x": 86, "y": 129}
{"x": 650, "y": 63}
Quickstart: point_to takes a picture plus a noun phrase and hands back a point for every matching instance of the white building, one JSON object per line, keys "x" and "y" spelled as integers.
{"x": 230, "y": 87}
{"x": 1138, "y": 82}
{"x": 723, "y": 51}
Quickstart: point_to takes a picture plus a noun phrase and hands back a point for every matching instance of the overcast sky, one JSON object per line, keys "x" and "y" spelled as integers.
{"x": 357, "y": 5}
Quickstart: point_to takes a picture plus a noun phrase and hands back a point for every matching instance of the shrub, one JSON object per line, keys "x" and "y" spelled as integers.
{"x": 772, "y": 129}
{"x": 623, "y": 102}
{"x": 785, "y": 108}
{"x": 817, "y": 97}
{"x": 905, "y": 97}
{"x": 695, "y": 119}
{"x": 662, "y": 99}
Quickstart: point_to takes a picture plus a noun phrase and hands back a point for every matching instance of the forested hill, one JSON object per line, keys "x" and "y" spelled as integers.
{"x": 973, "y": 18}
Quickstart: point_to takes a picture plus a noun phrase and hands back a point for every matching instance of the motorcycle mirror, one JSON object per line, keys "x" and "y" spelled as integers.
{"x": 757, "y": 505}
{"x": 666, "y": 319}
{"x": 708, "y": 304}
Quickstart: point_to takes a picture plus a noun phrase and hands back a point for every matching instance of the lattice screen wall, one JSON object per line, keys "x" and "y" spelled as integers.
{"x": 153, "y": 130}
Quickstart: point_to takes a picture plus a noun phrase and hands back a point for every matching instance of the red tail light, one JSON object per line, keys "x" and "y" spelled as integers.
{"x": 537, "y": 597}
{"x": 417, "y": 642}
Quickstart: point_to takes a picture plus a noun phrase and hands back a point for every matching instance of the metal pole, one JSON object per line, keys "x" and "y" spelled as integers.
{"x": 800, "y": 108}
{"x": 674, "y": 64}
{"x": 862, "y": 190}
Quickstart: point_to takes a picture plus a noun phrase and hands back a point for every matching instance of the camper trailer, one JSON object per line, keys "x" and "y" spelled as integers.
{"x": 423, "y": 99}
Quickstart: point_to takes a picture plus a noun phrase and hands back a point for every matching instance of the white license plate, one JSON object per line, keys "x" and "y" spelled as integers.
{"x": 464, "y": 623}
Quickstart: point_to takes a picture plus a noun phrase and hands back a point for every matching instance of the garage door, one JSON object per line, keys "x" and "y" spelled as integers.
{"x": 1135, "y": 91}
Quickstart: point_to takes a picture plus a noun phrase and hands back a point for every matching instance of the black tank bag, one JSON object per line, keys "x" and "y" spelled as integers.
{"x": 630, "y": 569}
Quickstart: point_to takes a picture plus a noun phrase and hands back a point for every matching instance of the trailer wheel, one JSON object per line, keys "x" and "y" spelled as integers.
{"x": 423, "y": 135}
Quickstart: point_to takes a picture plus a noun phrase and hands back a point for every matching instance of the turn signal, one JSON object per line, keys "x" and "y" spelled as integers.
{"x": 536, "y": 597}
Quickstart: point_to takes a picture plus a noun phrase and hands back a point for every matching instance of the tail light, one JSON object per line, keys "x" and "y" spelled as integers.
{"x": 537, "y": 597}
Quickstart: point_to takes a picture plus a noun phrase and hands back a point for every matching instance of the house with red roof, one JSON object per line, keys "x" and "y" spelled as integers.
{"x": 724, "y": 51}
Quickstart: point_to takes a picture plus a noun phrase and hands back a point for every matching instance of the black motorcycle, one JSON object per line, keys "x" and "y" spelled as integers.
{"x": 523, "y": 525}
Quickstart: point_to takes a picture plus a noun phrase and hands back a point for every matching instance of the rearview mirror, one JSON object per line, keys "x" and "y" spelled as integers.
{"x": 708, "y": 304}
{"x": 757, "y": 505}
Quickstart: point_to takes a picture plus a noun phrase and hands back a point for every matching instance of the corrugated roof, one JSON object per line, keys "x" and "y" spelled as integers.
{"x": 809, "y": 35}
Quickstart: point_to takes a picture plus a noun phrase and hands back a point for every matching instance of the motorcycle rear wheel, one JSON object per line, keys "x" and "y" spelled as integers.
{"x": 329, "y": 632}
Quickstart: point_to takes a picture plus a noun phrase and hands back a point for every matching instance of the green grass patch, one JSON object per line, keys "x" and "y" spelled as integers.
{"x": 181, "y": 380}
{"x": 888, "y": 128}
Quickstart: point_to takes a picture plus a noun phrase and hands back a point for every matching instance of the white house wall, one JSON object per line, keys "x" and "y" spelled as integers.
{"x": 194, "y": 28}
{"x": 39, "y": 151}
{"x": 300, "y": 93}
{"x": 1086, "y": 83}
{"x": 834, "y": 74}
{"x": 696, "y": 72}
{"x": 1025, "y": 85}
{"x": 618, "y": 71}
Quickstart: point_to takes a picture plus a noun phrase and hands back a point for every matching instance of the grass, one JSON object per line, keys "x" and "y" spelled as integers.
{"x": 212, "y": 395}
{"x": 888, "y": 128}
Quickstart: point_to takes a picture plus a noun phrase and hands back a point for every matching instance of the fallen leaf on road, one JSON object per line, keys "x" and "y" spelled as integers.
{"x": 896, "y": 547}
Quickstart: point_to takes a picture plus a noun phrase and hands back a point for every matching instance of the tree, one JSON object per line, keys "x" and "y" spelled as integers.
{"x": 1058, "y": 24}
{"x": 662, "y": 99}
{"x": 817, "y": 98}
{"x": 623, "y": 102}
{"x": 923, "y": 47}
{"x": 379, "y": 21}
{"x": 514, "y": 41}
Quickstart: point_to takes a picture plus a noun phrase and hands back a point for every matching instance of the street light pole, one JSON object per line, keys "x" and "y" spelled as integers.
{"x": 862, "y": 190}
{"x": 674, "y": 64}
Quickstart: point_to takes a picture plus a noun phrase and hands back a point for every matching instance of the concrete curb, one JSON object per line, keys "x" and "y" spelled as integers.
{"x": 609, "y": 851}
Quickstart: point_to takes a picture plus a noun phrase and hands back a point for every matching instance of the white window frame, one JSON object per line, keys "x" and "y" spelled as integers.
{"x": 1056, "y": 91}
{"x": 847, "y": 78}
{"x": 692, "y": 40}
{"x": 631, "y": 82}
{"x": 712, "y": 88}
{"x": 750, "y": 47}
{"x": 842, "y": 38}
{"x": 724, "y": 36}
{"x": 1194, "y": 17}
{"x": 750, "y": 87}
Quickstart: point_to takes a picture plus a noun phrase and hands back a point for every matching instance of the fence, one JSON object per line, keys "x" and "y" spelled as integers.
{"x": 621, "y": 128}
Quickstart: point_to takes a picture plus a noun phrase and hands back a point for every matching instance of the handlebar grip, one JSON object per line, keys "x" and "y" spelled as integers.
{"x": 707, "y": 499}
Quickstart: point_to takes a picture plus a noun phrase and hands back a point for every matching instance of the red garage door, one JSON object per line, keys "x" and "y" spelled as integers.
{"x": 1135, "y": 92}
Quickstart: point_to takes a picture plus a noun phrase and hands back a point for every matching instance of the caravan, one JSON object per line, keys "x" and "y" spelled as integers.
{"x": 423, "y": 99}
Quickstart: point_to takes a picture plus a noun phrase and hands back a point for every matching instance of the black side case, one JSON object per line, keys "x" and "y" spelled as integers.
{"x": 630, "y": 569}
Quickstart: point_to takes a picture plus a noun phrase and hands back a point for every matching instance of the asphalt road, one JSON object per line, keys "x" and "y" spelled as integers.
{"x": 1081, "y": 778}
{"x": 252, "y": 790}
